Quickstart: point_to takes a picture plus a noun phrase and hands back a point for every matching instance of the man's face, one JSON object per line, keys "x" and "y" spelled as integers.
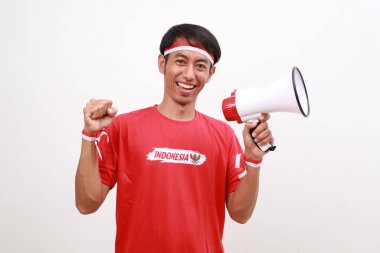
{"x": 185, "y": 74}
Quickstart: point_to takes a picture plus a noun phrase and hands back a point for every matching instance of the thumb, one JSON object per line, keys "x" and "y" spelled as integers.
{"x": 111, "y": 112}
{"x": 247, "y": 127}
{"x": 106, "y": 121}
{"x": 87, "y": 116}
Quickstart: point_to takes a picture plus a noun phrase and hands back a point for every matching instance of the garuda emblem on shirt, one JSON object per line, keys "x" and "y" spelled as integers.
{"x": 195, "y": 158}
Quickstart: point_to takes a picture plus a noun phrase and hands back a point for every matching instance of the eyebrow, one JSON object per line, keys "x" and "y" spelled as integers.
{"x": 204, "y": 60}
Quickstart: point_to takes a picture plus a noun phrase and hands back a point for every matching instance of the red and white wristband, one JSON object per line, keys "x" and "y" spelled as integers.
{"x": 95, "y": 138}
{"x": 252, "y": 163}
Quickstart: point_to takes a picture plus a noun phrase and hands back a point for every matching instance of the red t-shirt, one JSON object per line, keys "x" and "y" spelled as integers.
{"x": 173, "y": 177}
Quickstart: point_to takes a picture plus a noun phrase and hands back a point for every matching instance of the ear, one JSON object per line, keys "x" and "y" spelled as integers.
{"x": 161, "y": 63}
{"x": 212, "y": 71}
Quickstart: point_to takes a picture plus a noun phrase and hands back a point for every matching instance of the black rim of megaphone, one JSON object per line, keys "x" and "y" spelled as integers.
{"x": 295, "y": 92}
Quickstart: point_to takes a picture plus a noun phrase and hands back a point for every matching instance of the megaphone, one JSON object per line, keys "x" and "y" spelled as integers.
{"x": 286, "y": 95}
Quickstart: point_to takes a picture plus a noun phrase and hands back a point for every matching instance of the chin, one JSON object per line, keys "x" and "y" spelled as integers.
{"x": 185, "y": 101}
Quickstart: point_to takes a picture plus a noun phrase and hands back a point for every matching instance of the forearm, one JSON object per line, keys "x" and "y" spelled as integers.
{"x": 243, "y": 201}
{"x": 89, "y": 190}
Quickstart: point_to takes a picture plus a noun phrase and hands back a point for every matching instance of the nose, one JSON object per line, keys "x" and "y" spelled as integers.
{"x": 188, "y": 73}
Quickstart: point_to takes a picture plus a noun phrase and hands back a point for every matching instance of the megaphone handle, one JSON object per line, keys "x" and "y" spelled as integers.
{"x": 266, "y": 148}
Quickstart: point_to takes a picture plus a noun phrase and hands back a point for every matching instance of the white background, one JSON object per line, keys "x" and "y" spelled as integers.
{"x": 320, "y": 190}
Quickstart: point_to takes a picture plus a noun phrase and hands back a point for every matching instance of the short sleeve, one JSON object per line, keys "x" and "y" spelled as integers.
{"x": 108, "y": 159}
{"x": 235, "y": 164}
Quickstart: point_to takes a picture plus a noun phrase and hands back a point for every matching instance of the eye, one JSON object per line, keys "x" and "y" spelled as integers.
{"x": 180, "y": 61}
{"x": 201, "y": 66}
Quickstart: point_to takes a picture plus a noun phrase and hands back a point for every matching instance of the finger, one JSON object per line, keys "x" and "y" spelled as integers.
{"x": 105, "y": 121}
{"x": 264, "y": 117}
{"x": 90, "y": 106}
{"x": 249, "y": 125}
{"x": 101, "y": 101}
{"x": 106, "y": 102}
{"x": 96, "y": 102}
{"x": 260, "y": 128}
{"x": 112, "y": 112}
{"x": 105, "y": 105}
{"x": 87, "y": 115}
{"x": 267, "y": 140}
{"x": 98, "y": 112}
{"x": 263, "y": 135}
{"x": 99, "y": 108}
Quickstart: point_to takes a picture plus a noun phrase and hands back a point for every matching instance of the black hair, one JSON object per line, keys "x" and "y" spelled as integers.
{"x": 195, "y": 34}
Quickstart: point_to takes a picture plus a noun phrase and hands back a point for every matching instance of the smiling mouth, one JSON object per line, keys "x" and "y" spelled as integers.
{"x": 186, "y": 86}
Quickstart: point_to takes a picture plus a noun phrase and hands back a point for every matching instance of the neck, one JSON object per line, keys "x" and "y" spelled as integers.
{"x": 177, "y": 111}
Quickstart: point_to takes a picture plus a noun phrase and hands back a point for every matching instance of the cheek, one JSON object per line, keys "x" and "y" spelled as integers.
{"x": 203, "y": 77}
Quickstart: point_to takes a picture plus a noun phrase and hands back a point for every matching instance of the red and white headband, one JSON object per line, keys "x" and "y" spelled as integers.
{"x": 187, "y": 46}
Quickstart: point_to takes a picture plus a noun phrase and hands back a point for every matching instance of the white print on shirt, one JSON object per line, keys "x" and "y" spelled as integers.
{"x": 169, "y": 155}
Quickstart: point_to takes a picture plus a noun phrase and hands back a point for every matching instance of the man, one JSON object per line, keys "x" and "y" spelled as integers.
{"x": 176, "y": 168}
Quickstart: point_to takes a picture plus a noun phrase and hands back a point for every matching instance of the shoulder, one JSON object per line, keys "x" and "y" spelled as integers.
{"x": 133, "y": 118}
{"x": 216, "y": 124}
{"x": 134, "y": 115}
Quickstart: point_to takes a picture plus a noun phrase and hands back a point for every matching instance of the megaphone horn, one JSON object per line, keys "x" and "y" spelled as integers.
{"x": 286, "y": 95}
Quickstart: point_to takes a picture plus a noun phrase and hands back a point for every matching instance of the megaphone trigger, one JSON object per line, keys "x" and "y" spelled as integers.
{"x": 265, "y": 148}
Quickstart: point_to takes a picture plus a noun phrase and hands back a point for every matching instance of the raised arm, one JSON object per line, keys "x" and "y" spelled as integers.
{"x": 242, "y": 202}
{"x": 89, "y": 190}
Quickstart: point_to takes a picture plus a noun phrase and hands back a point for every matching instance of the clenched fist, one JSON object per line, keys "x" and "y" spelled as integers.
{"x": 262, "y": 136}
{"x": 98, "y": 114}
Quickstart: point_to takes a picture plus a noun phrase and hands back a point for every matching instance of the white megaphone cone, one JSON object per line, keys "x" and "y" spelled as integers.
{"x": 287, "y": 95}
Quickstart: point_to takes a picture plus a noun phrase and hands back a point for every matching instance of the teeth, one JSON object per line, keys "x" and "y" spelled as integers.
{"x": 186, "y": 86}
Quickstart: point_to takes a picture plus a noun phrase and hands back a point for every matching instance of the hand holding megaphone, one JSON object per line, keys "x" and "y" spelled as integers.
{"x": 286, "y": 95}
